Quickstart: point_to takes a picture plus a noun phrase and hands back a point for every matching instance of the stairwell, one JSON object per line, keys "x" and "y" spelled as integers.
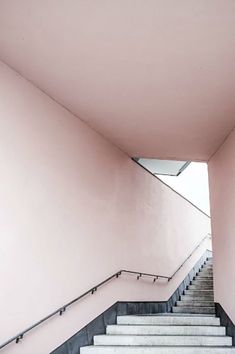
{"x": 191, "y": 328}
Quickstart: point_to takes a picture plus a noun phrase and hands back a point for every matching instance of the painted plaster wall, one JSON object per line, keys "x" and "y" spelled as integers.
{"x": 222, "y": 195}
{"x": 74, "y": 209}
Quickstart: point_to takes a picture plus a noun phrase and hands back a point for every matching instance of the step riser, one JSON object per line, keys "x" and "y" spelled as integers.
{"x": 199, "y": 292}
{"x": 200, "y": 287}
{"x": 204, "y": 278}
{"x": 208, "y": 274}
{"x": 207, "y": 267}
{"x": 196, "y": 309}
{"x": 162, "y": 340}
{"x": 155, "y": 350}
{"x": 197, "y": 298}
{"x": 203, "y": 282}
{"x": 195, "y": 303}
{"x": 168, "y": 320}
{"x": 208, "y": 264}
{"x": 166, "y": 330}
{"x": 210, "y": 267}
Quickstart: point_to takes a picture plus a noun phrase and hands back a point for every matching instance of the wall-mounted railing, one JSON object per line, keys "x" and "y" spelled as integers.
{"x": 91, "y": 291}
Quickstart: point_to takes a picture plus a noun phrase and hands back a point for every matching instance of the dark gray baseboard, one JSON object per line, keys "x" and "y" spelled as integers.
{"x": 225, "y": 321}
{"x": 84, "y": 337}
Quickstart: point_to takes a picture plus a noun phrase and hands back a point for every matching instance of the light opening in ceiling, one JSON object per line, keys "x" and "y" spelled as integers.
{"x": 162, "y": 167}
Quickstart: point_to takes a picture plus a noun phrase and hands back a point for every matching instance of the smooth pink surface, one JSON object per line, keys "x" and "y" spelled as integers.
{"x": 222, "y": 186}
{"x": 73, "y": 210}
{"x": 156, "y": 77}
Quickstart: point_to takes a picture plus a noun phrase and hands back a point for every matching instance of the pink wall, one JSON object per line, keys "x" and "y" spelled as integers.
{"x": 222, "y": 186}
{"x": 75, "y": 209}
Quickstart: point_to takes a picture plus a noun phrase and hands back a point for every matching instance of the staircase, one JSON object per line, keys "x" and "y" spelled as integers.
{"x": 191, "y": 328}
{"x": 199, "y": 297}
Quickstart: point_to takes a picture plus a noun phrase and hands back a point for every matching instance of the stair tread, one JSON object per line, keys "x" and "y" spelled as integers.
{"x": 152, "y": 339}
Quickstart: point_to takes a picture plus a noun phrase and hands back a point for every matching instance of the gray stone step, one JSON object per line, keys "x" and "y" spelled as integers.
{"x": 195, "y": 303}
{"x": 172, "y": 319}
{"x": 162, "y": 340}
{"x": 199, "y": 292}
{"x": 193, "y": 309}
{"x": 196, "y": 286}
{"x": 155, "y": 350}
{"x": 204, "y": 277}
{"x": 199, "y": 280}
{"x": 202, "y": 281}
{"x": 166, "y": 330}
{"x": 197, "y": 297}
{"x": 204, "y": 272}
{"x": 209, "y": 270}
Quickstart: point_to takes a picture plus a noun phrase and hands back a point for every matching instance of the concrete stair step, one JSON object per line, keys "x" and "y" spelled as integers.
{"x": 204, "y": 277}
{"x": 205, "y": 273}
{"x": 171, "y": 319}
{"x": 199, "y": 292}
{"x": 190, "y": 303}
{"x": 207, "y": 268}
{"x": 197, "y": 298}
{"x": 198, "y": 280}
{"x": 155, "y": 350}
{"x": 166, "y": 330}
{"x": 200, "y": 287}
{"x": 162, "y": 340}
{"x": 206, "y": 281}
{"x": 193, "y": 309}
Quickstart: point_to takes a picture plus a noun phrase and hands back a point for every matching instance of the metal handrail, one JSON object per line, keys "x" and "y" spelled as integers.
{"x": 62, "y": 309}
{"x": 198, "y": 245}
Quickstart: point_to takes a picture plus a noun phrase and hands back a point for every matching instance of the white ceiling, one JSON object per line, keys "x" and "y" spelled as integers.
{"x": 156, "y": 77}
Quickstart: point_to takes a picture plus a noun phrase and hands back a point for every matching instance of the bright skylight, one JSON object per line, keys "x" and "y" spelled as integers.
{"x": 163, "y": 167}
{"x": 192, "y": 184}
